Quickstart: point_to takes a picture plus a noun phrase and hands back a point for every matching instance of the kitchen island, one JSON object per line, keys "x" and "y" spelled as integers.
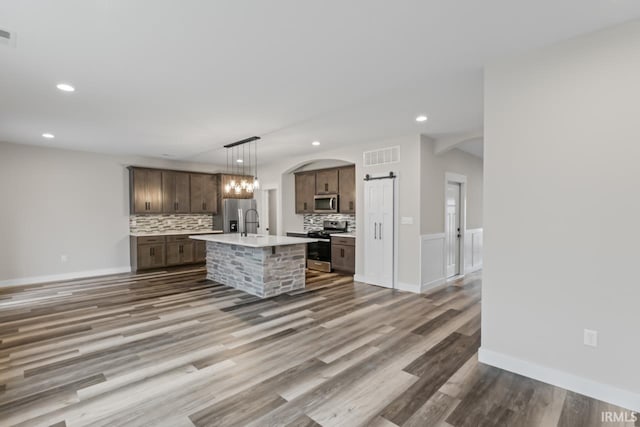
{"x": 264, "y": 266}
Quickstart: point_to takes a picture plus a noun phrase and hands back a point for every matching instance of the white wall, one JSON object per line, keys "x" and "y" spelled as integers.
{"x": 561, "y": 198}
{"x": 408, "y": 170}
{"x": 433, "y": 169}
{"x": 59, "y": 202}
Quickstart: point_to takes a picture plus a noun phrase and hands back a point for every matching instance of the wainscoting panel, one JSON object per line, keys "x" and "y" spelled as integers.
{"x": 473, "y": 250}
{"x": 432, "y": 254}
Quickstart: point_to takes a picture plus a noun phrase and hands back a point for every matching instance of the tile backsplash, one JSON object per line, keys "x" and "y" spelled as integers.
{"x": 315, "y": 221}
{"x": 170, "y": 222}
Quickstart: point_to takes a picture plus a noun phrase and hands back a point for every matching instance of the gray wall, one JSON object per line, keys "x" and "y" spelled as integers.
{"x": 561, "y": 197}
{"x": 432, "y": 169}
{"x": 59, "y": 202}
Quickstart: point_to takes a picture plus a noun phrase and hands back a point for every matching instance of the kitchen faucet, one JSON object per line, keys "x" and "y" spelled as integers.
{"x": 256, "y": 222}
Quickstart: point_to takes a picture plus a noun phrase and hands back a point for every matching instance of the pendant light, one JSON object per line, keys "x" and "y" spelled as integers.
{"x": 241, "y": 165}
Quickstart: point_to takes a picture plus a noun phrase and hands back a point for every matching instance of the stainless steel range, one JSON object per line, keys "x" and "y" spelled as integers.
{"x": 319, "y": 253}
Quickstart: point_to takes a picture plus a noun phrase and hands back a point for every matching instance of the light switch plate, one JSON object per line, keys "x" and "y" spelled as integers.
{"x": 406, "y": 220}
{"x": 590, "y": 338}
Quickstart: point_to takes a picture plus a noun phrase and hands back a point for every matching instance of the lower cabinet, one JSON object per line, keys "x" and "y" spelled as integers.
{"x": 150, "y": 256}
{"x": 200, "y": 249}
{"x": 179, "y": 250}
{"x": 343, "y": 254}
{"x": 149, "y": 252}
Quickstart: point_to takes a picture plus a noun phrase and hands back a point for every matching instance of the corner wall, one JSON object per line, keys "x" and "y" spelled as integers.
{"x": 561, "y": 185}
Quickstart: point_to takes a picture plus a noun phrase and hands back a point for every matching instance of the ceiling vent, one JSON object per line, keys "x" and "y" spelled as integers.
{"x": 7, "y": 38}
{"x": 383, "y": 156}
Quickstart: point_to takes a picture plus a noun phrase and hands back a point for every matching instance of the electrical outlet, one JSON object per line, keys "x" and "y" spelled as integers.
{"x": 199, "y": 222}
{"x": 590, "y": 338}
{"x": 406, "y": 220}
{"x": 64, "y": 258}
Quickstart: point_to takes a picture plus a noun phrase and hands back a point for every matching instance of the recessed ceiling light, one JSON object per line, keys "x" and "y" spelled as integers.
{"x": 48, "y": 135}
{"x": 421, "y": 119}
{"x": 239, "y": 160}
{"x": 315, "y": 143}
{"x": 65, "y": 87}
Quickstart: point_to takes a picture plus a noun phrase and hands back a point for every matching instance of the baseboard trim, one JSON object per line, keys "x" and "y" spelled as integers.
{"x": 34, "y": 280}
{"x": 432, "y": 284}
{"x": 473, "y": 269}
{"x": 607, "y": 393}
{"x": 408, "y": 287}
{"x": 400, "y": 285}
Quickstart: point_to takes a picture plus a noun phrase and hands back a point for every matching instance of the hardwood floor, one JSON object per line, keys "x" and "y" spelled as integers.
{"x": 172, "y": 349}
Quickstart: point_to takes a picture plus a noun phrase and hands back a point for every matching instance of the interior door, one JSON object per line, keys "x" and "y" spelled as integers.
{"x": 385, "y": 230}
{"x": 379, "y": 232}
{"x": 452, "y": 229}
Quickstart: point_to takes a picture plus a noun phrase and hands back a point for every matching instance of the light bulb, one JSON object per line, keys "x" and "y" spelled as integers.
{"x": 256, "y": 183}
{"x": 227, "y": 188}
{"x": 238, "y": 189}
{"x": 232, "y": 183}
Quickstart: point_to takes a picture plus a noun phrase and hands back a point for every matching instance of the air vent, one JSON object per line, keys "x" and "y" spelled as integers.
{"x": 382, "y": 157}
{"x": 7, "y": 38}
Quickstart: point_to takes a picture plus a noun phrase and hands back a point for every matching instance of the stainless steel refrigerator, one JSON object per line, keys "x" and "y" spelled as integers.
{"x": 230, "y": 222}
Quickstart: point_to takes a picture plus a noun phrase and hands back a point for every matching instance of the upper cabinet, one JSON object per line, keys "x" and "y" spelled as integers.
{"x": 175, "y": 192}
{"x": 204, "y": 193}
{"x": 340, "y": 181}
{"x": 327, "y": 181}
{"x": 305, "y": 190}
{"x": 145, "y": 190}
{"x": 154, "y": 191}
{"x": 347, "y": 190}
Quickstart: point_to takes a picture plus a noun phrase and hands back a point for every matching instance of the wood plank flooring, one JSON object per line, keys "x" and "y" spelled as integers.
{"x": 170, "y": 348}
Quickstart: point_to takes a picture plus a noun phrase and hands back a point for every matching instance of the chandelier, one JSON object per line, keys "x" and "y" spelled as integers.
{"x": 242, "y": 168}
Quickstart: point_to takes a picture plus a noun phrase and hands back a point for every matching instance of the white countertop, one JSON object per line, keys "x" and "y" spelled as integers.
{"x": 352, "y": 235}
{"x": 254, "y": 240}
{"x": 174, "y": 233}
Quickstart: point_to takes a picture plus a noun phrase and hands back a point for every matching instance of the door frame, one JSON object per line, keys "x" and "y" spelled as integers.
{"x": 456, "y": 178}
{"x": 264, "y": 193}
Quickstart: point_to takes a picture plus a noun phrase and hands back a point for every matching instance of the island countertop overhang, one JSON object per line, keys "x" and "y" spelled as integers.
{"x": 253, "y": 240}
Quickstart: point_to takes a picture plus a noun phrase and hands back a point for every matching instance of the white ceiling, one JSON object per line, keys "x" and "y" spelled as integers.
{"x": 186, "y": 77}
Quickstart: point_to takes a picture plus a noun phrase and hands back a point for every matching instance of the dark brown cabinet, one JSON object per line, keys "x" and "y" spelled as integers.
{"x": 146, "y": 190}
{"x": 327, "y": 181}
{"x": 204, "y": 193}
{"x": 347, "y": 190}
{"x": 179, "y": 253}
{"x": 305, "y": 190}
{"x": 165, "y": 251}
{"x": 343, "y": 254}
{"x": 150, "y": 256}
{"x": 340, "y": 181}
{"x": 175, "y": 192}
{"x": 200, "y": 251}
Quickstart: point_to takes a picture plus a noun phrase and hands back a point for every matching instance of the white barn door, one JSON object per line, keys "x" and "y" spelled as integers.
{"x": 379, "y": 231}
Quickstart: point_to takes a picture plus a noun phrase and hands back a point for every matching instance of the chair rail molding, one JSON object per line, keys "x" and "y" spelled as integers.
{"x": 473, "y": 250}
{"x": 432, "y": 257}
{"x": 432, "y": 254}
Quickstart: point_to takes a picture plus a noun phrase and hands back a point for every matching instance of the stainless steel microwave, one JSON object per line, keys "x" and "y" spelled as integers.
{"x": 326, "y": 203}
